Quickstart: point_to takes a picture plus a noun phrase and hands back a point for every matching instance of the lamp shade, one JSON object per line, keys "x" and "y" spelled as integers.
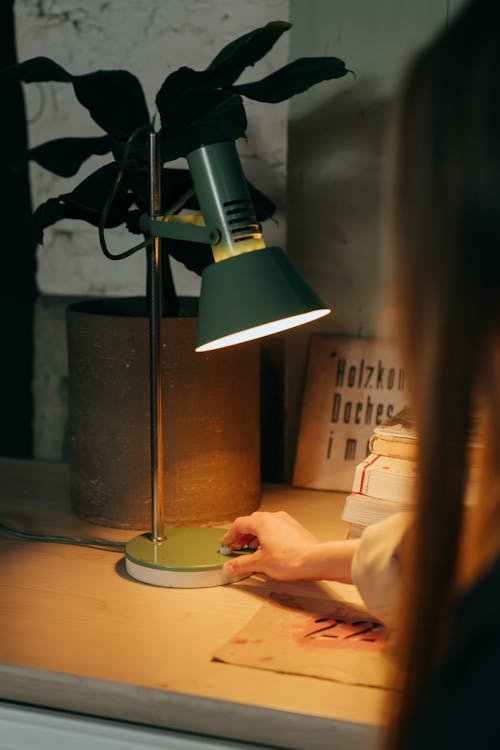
{"x": 252, "y": 295}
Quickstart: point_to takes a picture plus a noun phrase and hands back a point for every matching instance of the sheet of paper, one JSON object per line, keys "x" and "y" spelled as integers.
{"x": 317, "y": 637}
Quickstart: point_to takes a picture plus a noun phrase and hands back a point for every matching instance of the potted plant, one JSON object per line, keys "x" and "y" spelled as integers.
{"x": 109, "y": 452}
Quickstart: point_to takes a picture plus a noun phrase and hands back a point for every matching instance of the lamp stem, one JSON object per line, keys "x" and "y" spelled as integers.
{"x": 155, "y": 369}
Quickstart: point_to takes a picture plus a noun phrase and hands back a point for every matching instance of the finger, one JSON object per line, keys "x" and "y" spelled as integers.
{"x": 244, "y": 565}
{"x": 239, "y": 542}
{"x": 242, "y": 525}
{"x": 245, "y": 540}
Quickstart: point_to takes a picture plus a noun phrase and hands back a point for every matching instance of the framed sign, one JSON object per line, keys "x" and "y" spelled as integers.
{"x": 352, "y": 385}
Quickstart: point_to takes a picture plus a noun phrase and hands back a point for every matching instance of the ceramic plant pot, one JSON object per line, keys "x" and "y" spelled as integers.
{"x": 210, "y": 420}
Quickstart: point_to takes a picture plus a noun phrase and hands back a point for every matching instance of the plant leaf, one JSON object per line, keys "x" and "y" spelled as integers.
{"x": 264, "y": 207}
{"x": 88, "y": 198}
{"x": 190, "y": 106}
{"x": 224, "y": 69}
{"x": 66, "y": 207}
{"x": 198, "y": 125}
{"x": 292, "y": 79}
{"x": 86, "y": 201}
{"x": 44, "y": 216}
{"x": 64, "y": 156}
{"x": 36, "y": 70}
{"x": 73, "y": 208}
{"x": 195, "y": 256}
{"x": 172, "y": 89}
{"x": 114, "y": 98}
{"x": 136, "y": 181}
{"x": 232, "y": 60}
{"x": 176, "y": 183}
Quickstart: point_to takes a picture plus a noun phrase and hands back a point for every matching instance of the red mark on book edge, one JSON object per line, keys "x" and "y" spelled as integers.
{"x": 365, "y": 467}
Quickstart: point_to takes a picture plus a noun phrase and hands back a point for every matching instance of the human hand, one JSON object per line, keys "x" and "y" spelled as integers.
{"x": 282, "y": 546}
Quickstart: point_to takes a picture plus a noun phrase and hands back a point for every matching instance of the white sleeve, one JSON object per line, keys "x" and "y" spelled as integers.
{"x": 375, "y": 565}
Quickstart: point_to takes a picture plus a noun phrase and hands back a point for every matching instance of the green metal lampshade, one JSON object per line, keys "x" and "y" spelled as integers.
{"x": 252, "y": 295}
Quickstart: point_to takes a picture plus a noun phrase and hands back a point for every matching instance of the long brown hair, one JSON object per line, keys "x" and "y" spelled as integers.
{"x": 445, "y": 243}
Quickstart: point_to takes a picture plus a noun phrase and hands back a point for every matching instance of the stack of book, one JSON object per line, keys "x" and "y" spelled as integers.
{"x": 384, "y": 482}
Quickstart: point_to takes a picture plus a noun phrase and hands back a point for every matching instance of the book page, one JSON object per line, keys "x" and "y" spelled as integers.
{"x": 401, "y": 425}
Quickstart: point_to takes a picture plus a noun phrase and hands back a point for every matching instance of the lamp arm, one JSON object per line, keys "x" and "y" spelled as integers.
{"x": 179, "y": 230}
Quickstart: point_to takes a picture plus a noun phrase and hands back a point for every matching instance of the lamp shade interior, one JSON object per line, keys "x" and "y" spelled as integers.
{"x": 252, "y": 295}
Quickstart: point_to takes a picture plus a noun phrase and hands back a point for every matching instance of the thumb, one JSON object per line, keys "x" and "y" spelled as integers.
{"x": 243, "y": 564}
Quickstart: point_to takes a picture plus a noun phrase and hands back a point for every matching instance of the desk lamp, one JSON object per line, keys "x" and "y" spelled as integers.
{"x": 249, "y": 292}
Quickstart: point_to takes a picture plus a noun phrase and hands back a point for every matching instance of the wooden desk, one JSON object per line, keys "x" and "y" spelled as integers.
{"x": 76, "y": 633}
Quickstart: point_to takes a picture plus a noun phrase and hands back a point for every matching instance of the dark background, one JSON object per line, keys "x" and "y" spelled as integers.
{"x": 17, "y": 276}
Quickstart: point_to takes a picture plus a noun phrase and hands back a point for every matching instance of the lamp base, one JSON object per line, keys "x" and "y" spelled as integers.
{"x": 188, "y": 559}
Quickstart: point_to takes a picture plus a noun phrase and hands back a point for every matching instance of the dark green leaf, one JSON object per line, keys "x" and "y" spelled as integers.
{"x": 190, "y": 106}
{"x": 172, "y": 89}
{"x": 37, "y": 69}
{"x": 114, "y": 98}
{"x": 176, "y": 183}
{"x": 90, "y": 196}
{"x": 65, "y": 156}
{"x": 75, "y": 209}
{"x": 193, "y": 255}
{"x": 132, "y": 221}
{"x": 95, "y": 188}
{"x": 292, "y": 79}
{"x": 136, "y": 181}
{"x": 226, "y": 121}
{"x": 138, "y": 149}
{"x": 222, "y": 71}
{"x": 231, "y": 61}
{"x": 264, "y": 208}
{"x": 44, "y": 216}
{"x": 86, "y": 202}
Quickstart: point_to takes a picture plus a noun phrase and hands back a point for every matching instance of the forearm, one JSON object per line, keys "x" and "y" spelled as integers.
{"x": 330, "y": 561}
{"x": 285, "y": 550}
